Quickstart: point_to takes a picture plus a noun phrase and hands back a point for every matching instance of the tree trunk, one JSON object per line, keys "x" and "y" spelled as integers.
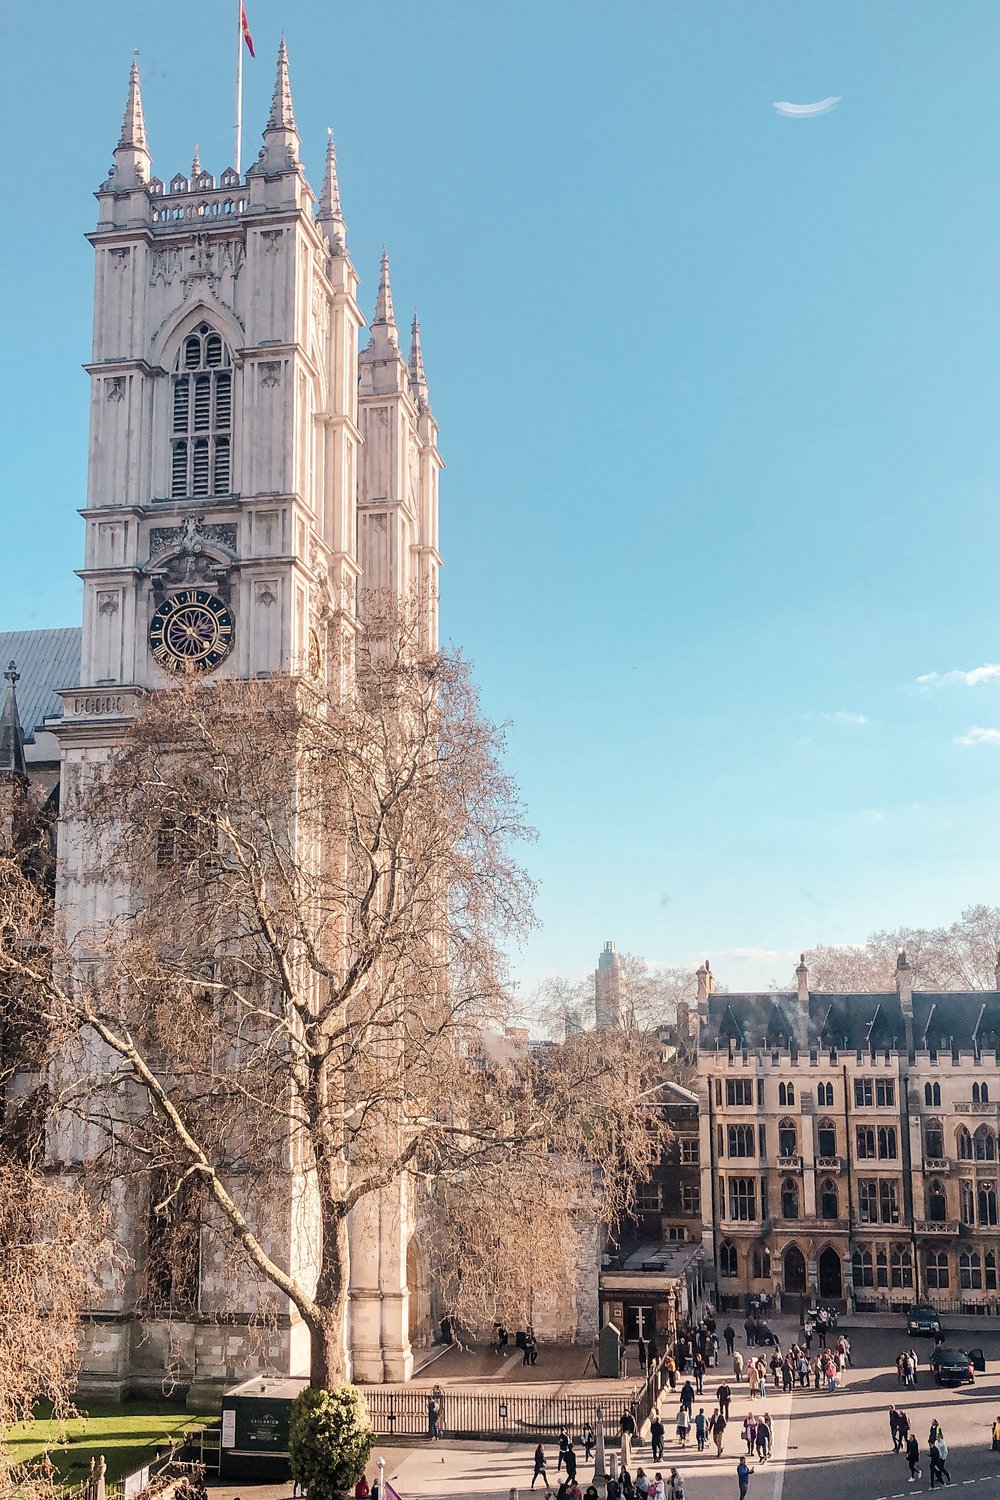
{"x": 328, "y": 1352}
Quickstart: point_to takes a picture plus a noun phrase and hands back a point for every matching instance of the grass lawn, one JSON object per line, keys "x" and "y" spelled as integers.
{"x": 127, "y": 1433}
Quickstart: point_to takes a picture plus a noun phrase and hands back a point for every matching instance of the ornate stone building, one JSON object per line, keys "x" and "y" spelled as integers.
{"x": 255, "y": 478}
{"x": 849, "y": 1143}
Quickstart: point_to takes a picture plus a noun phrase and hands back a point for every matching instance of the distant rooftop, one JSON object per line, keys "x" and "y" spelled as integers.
{"x": 46, "y": 660}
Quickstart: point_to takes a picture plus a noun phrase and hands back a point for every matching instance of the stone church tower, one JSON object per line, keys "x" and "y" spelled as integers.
{"x": 252, "y": 479}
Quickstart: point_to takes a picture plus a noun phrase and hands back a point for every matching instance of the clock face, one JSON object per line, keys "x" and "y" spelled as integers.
{"x": 192, "y": 631}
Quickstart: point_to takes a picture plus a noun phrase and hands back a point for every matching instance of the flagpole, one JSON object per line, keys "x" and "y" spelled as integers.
{"x": 239, "y": 84}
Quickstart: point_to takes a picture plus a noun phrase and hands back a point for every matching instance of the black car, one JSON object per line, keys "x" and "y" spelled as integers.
{"x": 952, "y": 1367}
{"x": 922, "y": 1320}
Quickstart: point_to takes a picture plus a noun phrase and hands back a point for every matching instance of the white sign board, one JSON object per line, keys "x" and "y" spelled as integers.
{"x": 228, "y": 1428}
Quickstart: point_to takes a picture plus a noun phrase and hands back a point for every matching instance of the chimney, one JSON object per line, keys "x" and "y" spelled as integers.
{"x": 802, "y": 978}
{"x": 706, "y": 985}
{"x": 904, "y": 984}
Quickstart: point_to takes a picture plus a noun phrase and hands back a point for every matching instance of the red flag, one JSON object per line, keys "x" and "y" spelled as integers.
{"x": 246, "y": 32}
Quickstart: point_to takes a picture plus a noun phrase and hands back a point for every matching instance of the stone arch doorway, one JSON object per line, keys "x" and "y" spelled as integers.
{"x": 419, "y": 1329}
{"x": 831, "y": 1280}
{"x": 794, "y": 1264}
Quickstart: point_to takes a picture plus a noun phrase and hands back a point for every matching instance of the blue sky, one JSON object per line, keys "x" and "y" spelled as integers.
{"x": 718, "y": 392}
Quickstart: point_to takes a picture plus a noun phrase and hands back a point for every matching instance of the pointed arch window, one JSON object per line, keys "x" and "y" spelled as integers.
{"x": 789, "y": 1199}
{"x": 826, "y": 1138}
{"x": 787, "y": 1138}
{"x": 932, "y": 1094}
{"x": 829, "y": 1201}
{"x": 986, "y": 1202}
{"x": 964, "y": 1144}
{"x": 936, "y": 1266}
{"x": 728, "y": 1266}
{"x": 901, "y": 1266}
{"x": 786, "y": 1094}
{"x": 761, "y": 1263}
{"x": 201, "y": 432}
{"x": 934, "y": 1140}
{"x": 937, "y": 1205}
{"x": 984, "y": 1144}
{"x": 980, "y": 1093}
{"x": 970, "y": 1271}
{"x": 824, "y": 1096}
{"x": 991, "y": 1270}
{"x": 862, "y": 1269}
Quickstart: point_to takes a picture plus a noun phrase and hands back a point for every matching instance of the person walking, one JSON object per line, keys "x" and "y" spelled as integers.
{"x": 894, "y": 1432}
{"x": 743, "y": 1473}
{"x": 589, "y": 1439}
{"x": 683, "y": 1425}
{"x": 913, "y": 1456}
{"x": 675, "y": 1485}
{"x": 729, "y": 1334}
{"x": 903, "y": 1423}
{"x": 570, "y": 1457}
{"x": 540, "y": 1468}
{"x": 699, "y": 1372}
{"x": 754, "y": 1379}
{"x": 719, "y": 1434}
{"x": 749, "y": 1328}
{"x": 701, "y": 1429}
{"x": 762, "y": 1379}
{"x": 656, "y": 1433}
{"x": 687, "y": 1396}
{"x": 642, "y": 1349}
{"x": 738, "y": 1365}
{"x": 563, "y": 1441}
{"x": 934, "y": 1433}
{"x": 670, "y": 1365}
{"x": 724, "y": 1395}
{"x": 938, "y": 1454}
{"x": 996, "y": 1436}
{"x": 749, "y": 1433}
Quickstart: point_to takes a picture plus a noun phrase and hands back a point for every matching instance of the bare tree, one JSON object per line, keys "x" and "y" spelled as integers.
{"x": 283, "y": 1010}
{"x": 960, "y": 956}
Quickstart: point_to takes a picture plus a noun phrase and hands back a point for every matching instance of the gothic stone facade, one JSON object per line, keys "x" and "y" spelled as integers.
{"x": 849, "y": 1143}
{"x": 247, "y": 459}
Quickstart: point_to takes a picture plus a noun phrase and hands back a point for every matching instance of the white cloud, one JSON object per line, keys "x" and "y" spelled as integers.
{"x": 806, "y": 111}
{"x": 979, "y": 736}
{"x": 873, "y": 815}
{"x": 972, "y": 678}
{"x": 844, "y": 716}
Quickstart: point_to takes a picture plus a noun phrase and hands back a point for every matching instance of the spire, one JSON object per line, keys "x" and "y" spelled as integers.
{"x": 11, "y": 739}
{"x": 384, "y": 342}
{"x": 331, "y": 214}
{"x": 418, "y": 377}
{"x": 196, "y": 164}
{"x": 132, "y": 158}
{"x": 282, "y": 116}
{"x": 280, "y": 152}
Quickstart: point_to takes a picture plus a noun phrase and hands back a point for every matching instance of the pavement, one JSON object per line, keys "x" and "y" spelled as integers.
{"x": 826, "y": 1444}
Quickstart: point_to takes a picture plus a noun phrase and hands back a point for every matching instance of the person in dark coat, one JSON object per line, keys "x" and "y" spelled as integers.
{"x": 729, "y": 1334}
{"x": 540, "y": 1467}
{"x": 913, "y": 1456}
{"x": 570, "y": 1457}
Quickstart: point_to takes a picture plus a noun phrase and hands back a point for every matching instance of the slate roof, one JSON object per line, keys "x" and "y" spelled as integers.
{"x": 46, "y": 660}
{"x": 860, "y": 1022}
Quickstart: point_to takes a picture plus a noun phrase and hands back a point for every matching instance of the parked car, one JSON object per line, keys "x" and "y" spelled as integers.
{"x": 922, "y": 1320}
{"x": 952, "y": 1367}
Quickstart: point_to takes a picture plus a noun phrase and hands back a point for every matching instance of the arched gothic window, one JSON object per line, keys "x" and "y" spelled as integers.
{"x": 986, "y": 1202}
{"x": 824, "y": 1096}
{"x": 984, "y": 1144}
{"x": 964, "y": 1144}
{"x": 975, "y": 1093}
{"x": 966, "y": 1202}
{"x": 862, "y": 1271}
{"x": 787, "y": 1138}
{"x": 970, "y": 1271}
{"x": 934, "y": 1140}
{"x": 991, "y": 1270}
{"x": 786, "y": 1094}
{"x": 901, "y": 1266}
{"x": 740, "y": 1140}
{"x": 936, "y": 1267}
{"x": 761, "y": 1263}
{"x": 728, "y": 1260}
{"x": 932, "y": 1094}
{"x": 980, "y": 1093}
{"x": 937, "y": 1206}
{"x": 201, "y": 430}
{"x": 826, "y": 1138}
{"x": 789, "y": 1199}
{"x": 829, "y": 1201}
{"x": 887, "y": 1142}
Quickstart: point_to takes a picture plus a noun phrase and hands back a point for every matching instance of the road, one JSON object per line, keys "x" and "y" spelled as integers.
{"x": 837, "y": 1444}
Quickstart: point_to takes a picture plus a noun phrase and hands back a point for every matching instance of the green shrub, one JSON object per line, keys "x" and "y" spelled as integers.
{"x": 330, "y": 1441}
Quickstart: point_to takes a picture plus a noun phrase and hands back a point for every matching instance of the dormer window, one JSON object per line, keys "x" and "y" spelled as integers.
{"x": 202, "y": 417}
